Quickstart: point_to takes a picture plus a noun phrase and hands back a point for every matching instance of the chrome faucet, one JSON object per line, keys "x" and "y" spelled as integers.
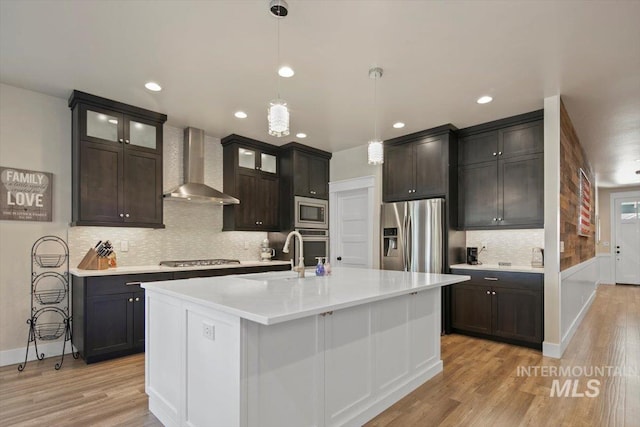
{"x": 300, "y": 267}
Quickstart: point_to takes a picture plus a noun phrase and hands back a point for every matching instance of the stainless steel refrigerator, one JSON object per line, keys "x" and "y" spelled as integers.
{"x": 413, "y": 236}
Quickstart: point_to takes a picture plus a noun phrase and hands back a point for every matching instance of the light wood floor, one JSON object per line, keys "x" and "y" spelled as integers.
{"x": 479, "y": 385}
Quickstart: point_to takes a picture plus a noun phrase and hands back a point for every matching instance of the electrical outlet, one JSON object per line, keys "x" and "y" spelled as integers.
{"x": 209, "y": 331}
{"x": 561, "y": 246}
{"x": 124, "y": 246}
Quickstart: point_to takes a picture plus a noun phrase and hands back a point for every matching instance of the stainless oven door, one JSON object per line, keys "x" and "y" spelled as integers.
{"x": 311, "y": 213}
{"x": 316, "y": 244}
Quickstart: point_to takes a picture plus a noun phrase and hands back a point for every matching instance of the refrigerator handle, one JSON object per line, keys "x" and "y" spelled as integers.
{"x": 405, "y": 252}
{"x": 409, "y": 243}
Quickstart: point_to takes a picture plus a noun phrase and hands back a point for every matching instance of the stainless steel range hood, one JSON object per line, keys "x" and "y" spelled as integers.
{"x": 194, "y": 188}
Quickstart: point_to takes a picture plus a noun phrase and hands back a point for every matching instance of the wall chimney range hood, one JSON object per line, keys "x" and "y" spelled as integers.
{"x": 194, "y": 189}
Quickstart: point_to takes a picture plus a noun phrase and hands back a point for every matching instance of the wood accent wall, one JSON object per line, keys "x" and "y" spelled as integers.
{"x": 577, "y": 249}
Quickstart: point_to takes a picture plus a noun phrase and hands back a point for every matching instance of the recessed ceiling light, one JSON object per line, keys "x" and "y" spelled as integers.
{"x": 153, "y": 86}
{"x": 286, "y": 71}
{"x": 240, "y": 114}
{"x": 301, "y": 135}
{"x": 113, "y": 121}
{"x": 398, "y": 125}
{"x": 484, "y": 99}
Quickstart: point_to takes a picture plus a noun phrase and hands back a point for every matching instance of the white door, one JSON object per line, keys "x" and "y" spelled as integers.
{"x": 627, "y": 240}
{"x": 352, "y": 239}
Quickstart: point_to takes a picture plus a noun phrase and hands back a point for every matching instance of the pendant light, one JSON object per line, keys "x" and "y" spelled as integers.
{"x": 375, "y": 152}
{"x": 278, "y": 112}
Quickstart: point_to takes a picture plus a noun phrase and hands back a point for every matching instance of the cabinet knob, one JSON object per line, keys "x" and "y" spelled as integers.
{"x": 126, "y": 141}
{"x": 488, "y": 292}
{"x": 312, "y": 192}
{"x": 130, "y": 299}
{"x": 257, "y": 168}
{"x": 126, "y": 215}
{"x": 495, "y": 219}
{"x": 499, "y": 219}
{"x": 137, "y": 299}
{"x": 409, "y": 191}
{"x": 121, "y": 215}
{"x": 493, "y": 293}
{"x": 495, "y": 154}
{"x": 121, "y": 140}
{"x": 499, "y": 153}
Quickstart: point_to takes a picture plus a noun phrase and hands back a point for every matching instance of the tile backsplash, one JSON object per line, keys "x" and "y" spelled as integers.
{"x": 512, "y": 246}
{"x": 193, "y": 230}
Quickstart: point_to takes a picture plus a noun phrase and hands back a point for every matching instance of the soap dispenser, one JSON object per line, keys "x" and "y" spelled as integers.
{"x": 319, "y": 267}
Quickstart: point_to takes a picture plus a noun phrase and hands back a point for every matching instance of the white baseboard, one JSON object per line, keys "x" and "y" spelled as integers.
{"x": 550, "y": 349}
{"x": 16, "y": 355}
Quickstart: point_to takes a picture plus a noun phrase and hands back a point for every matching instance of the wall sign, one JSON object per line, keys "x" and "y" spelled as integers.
{"x": 26, "y": 195}
{"x": 584, "y": 206}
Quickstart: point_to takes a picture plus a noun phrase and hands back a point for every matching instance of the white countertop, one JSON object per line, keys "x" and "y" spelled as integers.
{"x": 496, "y": 267}
{"x": 141, "y": 269}
{"x": 275, "y": 297}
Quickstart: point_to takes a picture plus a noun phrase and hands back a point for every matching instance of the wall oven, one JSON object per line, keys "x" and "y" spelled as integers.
{"x": 311, "y": 213}
{"x": 316, "y": 244}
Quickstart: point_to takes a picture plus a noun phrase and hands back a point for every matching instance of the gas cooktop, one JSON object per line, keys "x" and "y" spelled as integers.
{"x": 199, "y": 262}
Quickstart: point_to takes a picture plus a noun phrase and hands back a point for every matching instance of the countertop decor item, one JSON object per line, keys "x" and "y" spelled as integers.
{"x": 50, "y": 318}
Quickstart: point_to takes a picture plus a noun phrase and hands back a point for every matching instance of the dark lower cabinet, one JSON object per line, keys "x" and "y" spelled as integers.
{"x": 501, "y": 306}
{"x": 109, "y": 311}
{"x": 108, "y": 314}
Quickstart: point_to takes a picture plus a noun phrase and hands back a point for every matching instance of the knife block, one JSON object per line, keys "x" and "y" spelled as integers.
{"x": 93, "y": 261}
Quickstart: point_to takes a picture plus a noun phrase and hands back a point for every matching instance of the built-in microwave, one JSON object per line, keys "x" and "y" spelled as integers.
{"x": 311, "y": 213}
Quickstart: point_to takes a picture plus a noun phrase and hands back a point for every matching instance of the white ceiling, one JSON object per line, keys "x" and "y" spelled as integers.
{"x": 216, "y": 57}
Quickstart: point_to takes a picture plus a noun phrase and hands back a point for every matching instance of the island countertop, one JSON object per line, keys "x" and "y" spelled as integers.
{"x": 270, "y": 298}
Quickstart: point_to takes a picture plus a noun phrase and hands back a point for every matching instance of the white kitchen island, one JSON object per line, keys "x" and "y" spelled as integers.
{"x": 271, "y": 349}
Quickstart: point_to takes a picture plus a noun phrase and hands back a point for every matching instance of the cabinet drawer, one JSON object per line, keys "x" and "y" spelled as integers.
{"x": 105, "y": 285}
{"x": 532, "y": 281}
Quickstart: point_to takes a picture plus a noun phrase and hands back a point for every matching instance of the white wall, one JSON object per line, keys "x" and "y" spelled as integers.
{"x": 35, "y": 133}
{"x": 552, "y": 335}
{"x": 352, "y": 163}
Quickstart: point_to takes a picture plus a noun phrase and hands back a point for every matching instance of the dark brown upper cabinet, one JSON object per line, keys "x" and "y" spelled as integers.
{"x": 251, "y": 174}
{"x": 116, "y": 163}
{"x": 304, "y": 171}
{"x": 501, "y": 174}
{"x": 420, "y": 165}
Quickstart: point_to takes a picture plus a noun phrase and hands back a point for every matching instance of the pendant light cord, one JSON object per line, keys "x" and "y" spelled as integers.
{"x": 375, "y": 108}
{"x": 278, "y": 53}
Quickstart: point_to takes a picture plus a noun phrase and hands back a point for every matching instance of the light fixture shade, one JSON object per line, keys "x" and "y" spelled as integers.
{"x": 278, "y": 116}
{"x": 375, "y": 152}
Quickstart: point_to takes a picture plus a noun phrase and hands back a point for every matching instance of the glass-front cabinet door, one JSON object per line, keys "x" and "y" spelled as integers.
{"x": 268, "y": 163}
{"x": 247, "y": 158}
{"x": 141, "y": 134}
{"x": 101, "y": 125}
